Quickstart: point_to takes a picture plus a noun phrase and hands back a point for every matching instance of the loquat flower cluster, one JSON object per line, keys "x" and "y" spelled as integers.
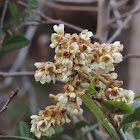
{"x": 77, "y": 60}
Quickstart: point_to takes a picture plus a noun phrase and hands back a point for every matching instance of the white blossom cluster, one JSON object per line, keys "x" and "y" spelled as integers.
{"x": 73, "y": 95}
{"x": 76, "y": 52}
{"x": 120, "y": 94}
{"x": 42, "y": 124}
{"x": 76, "y": 59}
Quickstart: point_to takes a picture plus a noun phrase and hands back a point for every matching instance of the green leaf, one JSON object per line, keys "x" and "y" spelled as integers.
{"x": 85, "y": 85}
{"x": 137, "y": 96}
{"x": 92, "y": 85}
{"x": 80, "y": 124}
{"x": 91, "y": 128}
{"x": 135, "y": 105}
{"x": 14, "y": 12}
{"x": 66, "y": 137}
{"x": 13, "y": 138}
{"x": 136, "y": 132}
{"x": 98, "y": 137}
{"x": 58, "y": 129}
{"x": 99, "y": 115}
{"x": 125, "y": 127}
{"x": 116, "y": 107}
{"x": 23, "y": 129}
{"x": 132, "y": 117}
{"x": 30, "y": 5}
{"x": 14, "y": 42}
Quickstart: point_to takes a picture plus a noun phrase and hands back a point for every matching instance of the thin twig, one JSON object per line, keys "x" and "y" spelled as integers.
{"x": 11, "y": 96}
{"x": 55, "y": 21}
{"x": 117, "y": 14}
{"x": 132, "y": 12}
{"x": 128, "y": 56}
{"x": 71, "y": 7}
{"x": 3, "y": 14}
{"x": 93, "y": 73}
{"x": 118, "y": 31}
{"x": 22, "y": 73}
{"x": 78, "y": 1}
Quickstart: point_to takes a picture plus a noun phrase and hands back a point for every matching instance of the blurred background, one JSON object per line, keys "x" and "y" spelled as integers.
{"x": 109, "y": 20}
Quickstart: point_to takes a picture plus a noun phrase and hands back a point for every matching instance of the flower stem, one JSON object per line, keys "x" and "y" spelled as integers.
{"x": 121, "y": 134}
{"x": 93, "y": 73}
{"x": 95, "y": 110}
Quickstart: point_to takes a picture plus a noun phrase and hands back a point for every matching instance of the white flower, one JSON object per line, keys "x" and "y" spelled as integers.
{"x": 67, "y": 62}
{"x": 120, "y": 94}
{"x": 106, "y": 63}
{"x": 113, "y": 76}
{"x": 85, "y": 35}
{"x": 88, "y": 49}
{"x": 86, "y": 69}
{"x": 75, "y": 112}
{"x": 109, "y": 68}
{"x": 38, "y": 65}
{"x": 72, "y": 95}
{"x": 82, "y": 62}
{"x": 52, "y": 45}
{"x": 129, "y": 95}
{"x": 77, "y": 68}
{"x": 67, "y": 120}
{"x": 57, "y": 49}
{"x": 63, "y": 99}
{"x": 107, "y": 48}
{"x": 48, "y": 78}
{"x": 52, "y": 67}
{"x": 65, "y": 79}
{"x": 106, "y": 59}
{"x": 94, "y": 66}
{"x": 80, "y": 111}
{"x": 40, "y": 126}
{"x": 38, "y": 75}
{"x": 45, "y": 79}
{"x": 59, "y": 29}
{"x": 116, "y": 43}
{"x": 117, "y": 57}
{"x": 82, "y": 56}
{"x": 79, "y": 101}
{"x": 54, "y": 39}
{"x": 71, "y": 88}
{"x": 73, "y": 47}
